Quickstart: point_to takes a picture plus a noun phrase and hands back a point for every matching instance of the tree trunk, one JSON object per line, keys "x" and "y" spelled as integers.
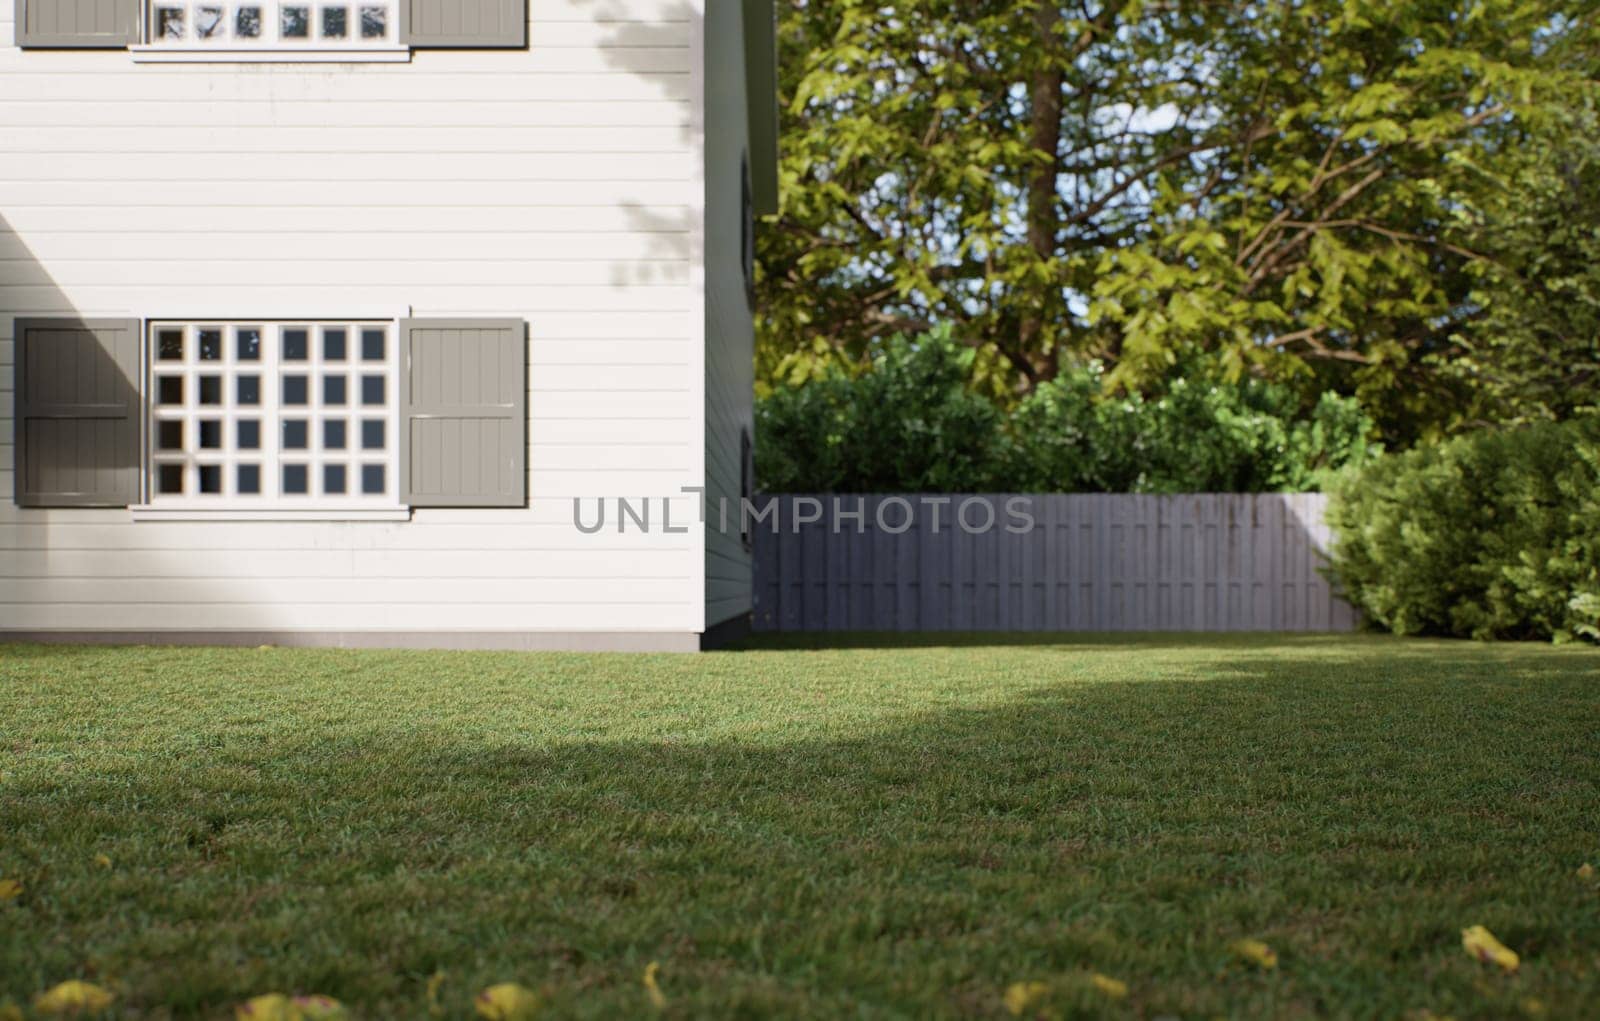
{"x": 1044, "y": 136}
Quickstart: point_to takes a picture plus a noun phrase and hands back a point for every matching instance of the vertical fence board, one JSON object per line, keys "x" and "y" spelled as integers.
{"x": 1091, "y": 562}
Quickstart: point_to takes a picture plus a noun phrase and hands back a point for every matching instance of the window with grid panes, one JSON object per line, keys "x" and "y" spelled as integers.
{"x": 271, "y": 24}
{"x": 273, "y": 415}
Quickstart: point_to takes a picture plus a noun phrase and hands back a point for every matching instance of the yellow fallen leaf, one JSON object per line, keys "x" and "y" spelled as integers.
{"x": 658, "y": 999}
{"x": 10, "y": 1012}
{"x": 1113, "y": 988}
{"x": 10, "y": 889}
{"x": 1255, "y": 952}
{"x": 1585, "y": 871}
{"x": 1533, "y": 1006}
{"x": 1480, "y": 943}
{"x": 103, "y": 861}
{"x": 267, "y": 1007}
{"x": 73, "y": 997}
{"x": 435, "y": 1008}
{"x": 320, "y": 1008}
{"x": 1022, "y": 995}
{"x": 507, "y": 1002}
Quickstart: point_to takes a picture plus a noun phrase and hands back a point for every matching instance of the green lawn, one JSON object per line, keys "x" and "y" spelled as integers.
{"x": 887, "y": 831}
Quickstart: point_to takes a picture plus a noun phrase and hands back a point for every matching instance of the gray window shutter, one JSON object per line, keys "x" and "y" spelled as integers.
{"x": 464, "y": 24}
{"x": 464, "y": 412}
{"x": 78, "y": 412}
{"x": 77, "y": 24}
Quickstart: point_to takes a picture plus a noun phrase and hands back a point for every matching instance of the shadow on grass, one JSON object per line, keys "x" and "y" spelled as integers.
{"x": 823, "y": 860}
{"x": 1121, "y": 640}
{"x": 1353, "y": 647}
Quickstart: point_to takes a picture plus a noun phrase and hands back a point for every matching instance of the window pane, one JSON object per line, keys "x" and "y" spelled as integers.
{"x": 374, "y": 22}
{"x": 295, "y": 23}
{"x": 247, "y": 23}
{"x": 333, "y": 434}
{"x": 247, "y": 344}
{"x": 334, "y": 346}
{"x": 334, "y": 390}
{"x": 208, "y": 22}
{"x": 211, "y": 406}
{"x": 211, "y": 478}
{"x": 169, "y": 436}
{"x": 169, "y": 478}
{"x": 248, "y": 434}
{"x": 249, "y": 479}
{"x": 169, "y": 344}
{"x": 249, "y": 390}
{"x": 169, "y": 23}
{"x": 335, "y": 22}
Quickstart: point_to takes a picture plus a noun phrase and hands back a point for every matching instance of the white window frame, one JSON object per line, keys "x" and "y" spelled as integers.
{"x": 271, "y": 413}
{"x": 270, "y": 45}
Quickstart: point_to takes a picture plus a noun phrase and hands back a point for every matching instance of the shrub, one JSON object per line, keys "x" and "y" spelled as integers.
{"x": 1495, "y": 534}
{"x": 908, "y": 424}
{"x": 911, "y": 422}
{"x": 1198, "y": 435}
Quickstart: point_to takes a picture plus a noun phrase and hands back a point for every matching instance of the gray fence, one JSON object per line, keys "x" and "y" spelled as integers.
{"x": 1089, "y": 562}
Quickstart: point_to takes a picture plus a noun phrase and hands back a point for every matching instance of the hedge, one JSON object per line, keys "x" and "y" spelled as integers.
{"x": 1494, "y": 534}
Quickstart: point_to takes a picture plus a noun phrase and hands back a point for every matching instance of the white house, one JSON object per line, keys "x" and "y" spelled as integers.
{"x": 317, "y": 316}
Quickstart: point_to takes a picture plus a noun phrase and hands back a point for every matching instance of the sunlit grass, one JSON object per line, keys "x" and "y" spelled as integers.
{"x": 891, "y": 830}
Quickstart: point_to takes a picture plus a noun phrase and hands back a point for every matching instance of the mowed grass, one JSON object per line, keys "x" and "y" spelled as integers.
{"x": 889, "y": 830}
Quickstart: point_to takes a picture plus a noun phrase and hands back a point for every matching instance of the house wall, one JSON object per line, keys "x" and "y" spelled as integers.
{"x": 561, "y": 185}
{"x": 730, "y": 341}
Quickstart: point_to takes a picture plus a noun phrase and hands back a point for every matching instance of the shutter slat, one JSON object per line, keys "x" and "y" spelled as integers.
{"x": 77, "y": 24}
{"x": 464, "y": 24}
{"x": 78, "y": 412}
{"x": 463, "y": 412}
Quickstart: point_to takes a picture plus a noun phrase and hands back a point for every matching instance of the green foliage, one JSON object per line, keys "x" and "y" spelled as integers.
{"x": 909, "y": 423}
{"x": 1494, "y": 534}
{"x": 1284, "y": 188}
{"x": 913, "y": 423}
{"x": 1198, "y": 434}
{"x": 1533, "y": 351}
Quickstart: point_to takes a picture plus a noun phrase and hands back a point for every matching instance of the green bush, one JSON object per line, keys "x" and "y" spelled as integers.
{"x": 912, "y": 423}
{"x": 1495, "y": 534}
{"x": 908, "y": 424}
{"x": 1198, "y": 435}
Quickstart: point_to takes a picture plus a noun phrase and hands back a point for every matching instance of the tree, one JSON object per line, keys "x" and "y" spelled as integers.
{"x": 1278, "y": 184}
{"x": 1532, "y": 351}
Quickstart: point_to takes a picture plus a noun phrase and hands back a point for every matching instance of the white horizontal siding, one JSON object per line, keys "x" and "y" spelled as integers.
{"x": 561, "y": 185}
{"x": 186, "y": 138}
{"x": 77, "y": 246}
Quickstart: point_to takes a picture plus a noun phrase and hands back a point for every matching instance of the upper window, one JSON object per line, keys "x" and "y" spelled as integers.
{"x": 313, "y": 31}
{"x": 273, "y": 415}
{"x": 326, "y": 24}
